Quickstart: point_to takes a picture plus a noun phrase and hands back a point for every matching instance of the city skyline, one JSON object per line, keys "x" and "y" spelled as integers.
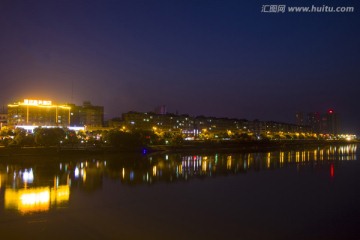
{"x": 31, "y": 113}
{"x": 303, "y": 120}
{"x": 222, "y": 59}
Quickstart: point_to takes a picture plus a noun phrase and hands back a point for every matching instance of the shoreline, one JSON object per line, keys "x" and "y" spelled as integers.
{"x": 256, "y": 146}
{"x": 225, "y": 146}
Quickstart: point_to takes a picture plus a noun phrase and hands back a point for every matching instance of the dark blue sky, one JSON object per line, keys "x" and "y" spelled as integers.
{"x": 218, "y": 58}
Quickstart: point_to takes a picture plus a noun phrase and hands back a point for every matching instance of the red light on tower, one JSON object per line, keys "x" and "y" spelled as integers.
{"x": 331, "y": 111}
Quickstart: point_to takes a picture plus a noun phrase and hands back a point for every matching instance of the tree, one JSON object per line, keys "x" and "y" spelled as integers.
{"x": 178, "y": 139}
{"x": 5, "y": 132}
{"x": 20, "y": 138}
{"x": 20, "y": 135}
{"x": 71, "y": 137}
{"x": 244, "y": 137}
{"x": 49, "y": 136}
{"x": 124, "y": 139}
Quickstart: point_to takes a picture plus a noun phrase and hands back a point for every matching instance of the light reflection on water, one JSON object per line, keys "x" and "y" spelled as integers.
{"x": 41, "y": 187}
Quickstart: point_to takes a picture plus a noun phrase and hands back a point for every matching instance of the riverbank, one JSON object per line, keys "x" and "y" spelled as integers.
{"x": 203, "y": 146}
{"x": 250, "y": 146}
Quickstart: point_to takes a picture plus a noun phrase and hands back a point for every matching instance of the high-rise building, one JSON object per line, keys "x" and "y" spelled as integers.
{"x": 160, "y": 110}
{"x": 38, "y": 112}
{"x": 313, "y": 120}
{"x": 300, "y": 118}
{"x": 327, "y": 123}
{"x": 87, "y": 115}
{"x": 330, "y": 123}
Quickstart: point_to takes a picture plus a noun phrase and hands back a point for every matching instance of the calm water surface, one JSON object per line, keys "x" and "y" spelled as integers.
{"x": 312, "y": 194}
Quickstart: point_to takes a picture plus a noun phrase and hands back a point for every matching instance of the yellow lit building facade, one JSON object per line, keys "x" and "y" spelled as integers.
{"x": 38, "y": 112}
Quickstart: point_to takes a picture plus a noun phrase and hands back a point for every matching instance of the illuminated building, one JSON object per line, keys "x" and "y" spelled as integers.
{"x": 32, "y": 113}
{"x": 219, "y": 125}
{"x": 38, "y": 112}
{"x": 285, "y": 127}
{"x": 181, "y": 123}
{"x": 212, "y": 126}
{"x": 161, "y": 122}
{"x": 87, "y": 115}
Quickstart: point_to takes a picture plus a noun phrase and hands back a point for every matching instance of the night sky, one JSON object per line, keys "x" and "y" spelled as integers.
{"x": 213, "y": 58}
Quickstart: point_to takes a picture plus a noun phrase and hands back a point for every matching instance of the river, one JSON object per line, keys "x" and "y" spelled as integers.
{"x": 309, "y": 194}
